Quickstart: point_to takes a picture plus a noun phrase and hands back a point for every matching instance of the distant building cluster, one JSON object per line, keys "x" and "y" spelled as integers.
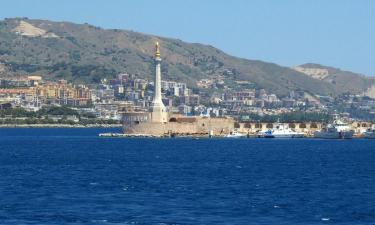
{"x": 32, "y": 92}
{"x": 126, "y": 92}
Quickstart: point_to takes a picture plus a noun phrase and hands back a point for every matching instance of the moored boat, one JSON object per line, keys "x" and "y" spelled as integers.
{"x": 370, "y": 133}
{"x": 281, "y": 131}
{"x": 336, "y": 130}
{"x": 234, "y": 134}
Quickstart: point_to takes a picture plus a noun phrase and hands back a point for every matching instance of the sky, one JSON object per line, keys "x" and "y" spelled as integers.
{"x": 338, "y": 33}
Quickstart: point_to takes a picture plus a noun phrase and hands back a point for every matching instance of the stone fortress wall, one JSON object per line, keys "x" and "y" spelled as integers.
{"x": 307, "y": 128}
{"x": 182, "y": 126}
{"x": 253, "y": 127}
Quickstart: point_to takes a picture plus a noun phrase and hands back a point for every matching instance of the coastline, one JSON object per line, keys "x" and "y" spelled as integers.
{"x": 60, "y": 126}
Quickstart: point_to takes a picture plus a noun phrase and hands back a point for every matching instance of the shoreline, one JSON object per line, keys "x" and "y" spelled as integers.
{"x": 206, "y": 136}
{"x": 60, "y": 126}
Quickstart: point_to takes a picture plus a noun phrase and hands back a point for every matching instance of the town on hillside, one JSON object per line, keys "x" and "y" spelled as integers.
{"x": 33, "y": 100}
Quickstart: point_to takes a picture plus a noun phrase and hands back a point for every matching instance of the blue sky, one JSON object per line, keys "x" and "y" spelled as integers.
{"x": 339, "y": 33}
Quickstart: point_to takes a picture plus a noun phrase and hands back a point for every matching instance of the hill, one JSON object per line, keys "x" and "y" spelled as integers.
{"x": 85, "y": 53}
{"x": 341, "y": 81}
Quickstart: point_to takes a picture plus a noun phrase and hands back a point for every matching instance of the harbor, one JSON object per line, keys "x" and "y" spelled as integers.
{"x": 338, "y": 129}
{"x": 282, "y": 131}
{"x": 160, "y": 122}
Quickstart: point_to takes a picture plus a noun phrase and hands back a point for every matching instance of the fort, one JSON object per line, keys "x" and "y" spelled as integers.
{"x": 159, "y": 122}
{"x": 181, "y": 126}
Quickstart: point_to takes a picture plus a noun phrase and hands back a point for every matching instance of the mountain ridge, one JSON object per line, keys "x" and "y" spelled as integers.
{"x": 86, "y": 53}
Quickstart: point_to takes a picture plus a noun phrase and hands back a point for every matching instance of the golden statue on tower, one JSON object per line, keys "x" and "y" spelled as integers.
{"x": 157, "y": 50}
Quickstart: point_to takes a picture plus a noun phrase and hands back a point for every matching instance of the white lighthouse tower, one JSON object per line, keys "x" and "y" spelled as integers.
{"x": 159, "y": 114}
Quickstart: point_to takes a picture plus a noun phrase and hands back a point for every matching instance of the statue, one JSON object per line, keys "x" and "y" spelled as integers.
{"x": 157, "y": 49}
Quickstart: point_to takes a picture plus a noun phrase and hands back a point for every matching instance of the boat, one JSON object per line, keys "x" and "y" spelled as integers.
{"x": 281, "y": 131}
{"x": 336, "y": 130}
{"x": 234, "y": 134}
{"x": 370, "y": 133}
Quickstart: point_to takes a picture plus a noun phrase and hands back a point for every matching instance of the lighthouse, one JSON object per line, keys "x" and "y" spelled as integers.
{"x": 158, "y": 114}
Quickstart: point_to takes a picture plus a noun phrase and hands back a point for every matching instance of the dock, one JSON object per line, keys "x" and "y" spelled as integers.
{"x": 121, "y": 135}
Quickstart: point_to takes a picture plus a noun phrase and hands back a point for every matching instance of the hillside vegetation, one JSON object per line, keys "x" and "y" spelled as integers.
{"x": 85, "y": 53}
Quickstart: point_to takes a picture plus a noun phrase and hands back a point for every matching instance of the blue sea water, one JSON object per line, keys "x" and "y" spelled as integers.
{"x": 72, "y": 176}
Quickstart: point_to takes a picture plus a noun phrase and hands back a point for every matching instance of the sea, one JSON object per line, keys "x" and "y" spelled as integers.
{"x": 72, "y": 176}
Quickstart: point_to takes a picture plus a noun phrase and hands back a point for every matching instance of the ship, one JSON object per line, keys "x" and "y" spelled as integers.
{"x": 336, "y": 130}
{"x": 370, "y": 133}
{"x": 234, "y": 134}
{"x": 281, "y": 131}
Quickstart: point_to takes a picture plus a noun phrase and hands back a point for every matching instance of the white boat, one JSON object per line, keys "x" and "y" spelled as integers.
{"x": 370, "y": 133}
{"x": 336, "y": 130}
{"x": 234, "y": 134}
{"x": 281, "y": 131}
